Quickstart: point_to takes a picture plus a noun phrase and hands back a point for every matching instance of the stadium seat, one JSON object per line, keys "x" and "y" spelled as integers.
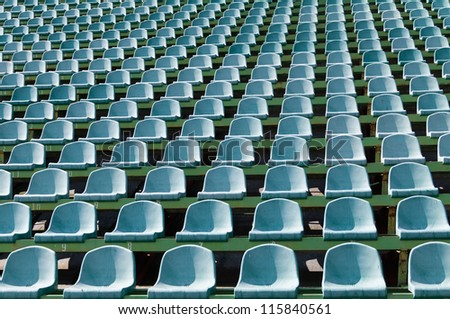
{"x": 138, "y": 221}
{"x": 382, "y": 85}
{"x": 106, "y": 272}
{"x": 190, "y": 75}
{"x": 226, "y": 74}
{"x": 62, "y": 94}
{"x": 163, "y": 183}
{"x": 268, "y": 271}
{"x": 399, "y": 148}
{"x": 353, "y": 270}
{"x": 246, "y": 127}
{"x": 343, "y": 125}
{"x": 196, "y": 279}
{"x": 179, "y": 91}
{"x": 47, "y": 185}
{"x": 427, "y": 270}
{"x": 122, "y": 111}
{"x": 211, "y": 108}
{"x": 181, "y": 153}
{"x": 436, "y": 42}
{"x": 387, "y": 103}
{"x": 100, "y": 66}
{"x": 429, "y": 103}
{"x": 301, "y": 72}
{"x": 6, "y": 112}
{"x": 344, "y": 149}
{"x": 304, "y": 58}
{"x": 209, "y": 50}
{"x": 167, "y": 63}
{"x": 198, "y": 129}
{"x": 296, "y": 105}
{"x": 393, "y": 123}
{"x": 410, "y": 55}
{"x": 118, "y": 78}
{"x": 373, "y": 56}
{"x": 167, "y": 110}
{"x": 277, "y": 219}
{"x": 236, "y": 152}
{"x": 82, "y": 80}
{"x": 34, "y": 67}
{"x": 341, "y": 104}
{"x": 10, "y": 81}
{"x": 438, "y": 124}
{"x": 340, "y": 86}
{"x": 377, "y": 69}
{"x": 29, "y": 272}
{"x": 24, "y": 95}
{"x": 235, "y": 60}
{"x": 76, "y": 155}
{"x": 299, "y": 87}
{"x": 347, "y": 180}
{"x": 349, "y": 218}
{"x": 444, "y": 149}
{"x": 264, "y": 72}
{"x": 155, "y": 77}
{"x": 128, "y": 154}
{"x": 25, "y": 156}
{"x": 294, "y": 126}
{"x": 101, "y": 93}
{"x": 252, "y": 106}
{"x": 407, "y": 179}
{"x": 207, "y": 220}
{"x": 70, "y": 222}
{"x": 423, "y": 84}
{"x": 103, "y": 131}
{"x": 285, "y": 181}
{"x": 56, "y": 132}
{"x": 104, "y": 184}
{"x": 339, "y": 71}
{"x": 149, "y": 130}
{"x": 16, "y": 221}
{"x": 421, "y": 217}
{"x": 223, "y": 182}
{"x": 13, "y": 132}
{"x": 82, "y": 111}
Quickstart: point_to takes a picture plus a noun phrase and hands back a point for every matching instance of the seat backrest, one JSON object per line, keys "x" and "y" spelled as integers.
{"x": 29, "y": 152}
{"x": 78, "y": 152}
{"x": 165, "y": 179}
{"x": 140, "y": 216}
{"x": 49, "y": 181}
{"x": 73, "y": 217}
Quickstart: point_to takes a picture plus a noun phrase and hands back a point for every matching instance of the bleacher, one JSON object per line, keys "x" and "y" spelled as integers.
{"x": 224, "y": 149}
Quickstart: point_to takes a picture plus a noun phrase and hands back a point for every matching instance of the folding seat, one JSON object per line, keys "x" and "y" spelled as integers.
{"x": 399, "y": 148}
{"x": 374, "y": 56}
{"x": 163, "y": 183}
{"x": 296, "y": 105}
{"x": 210, "y": 50}
{"x": 303, "y": 58}
{"x": 223, "y": 182}
{"x": 198, "y": 129}
{"x": 299, "y": 87}
{"x": 118, "y": 78}
{"x": 25, "y": 156}
{"x": 353, "y": 270}
{"x": 168, "y": 109}
{"x": 63, "y": 94}
{"x": 181, "y": 153}
{"x": 67, "y": 67}
{"x": 138, "y": 221}
{"x": 188, "y": 281}
{"x": 349, "y": 218}
{"x": 11, "y": 81}
{"x": 275, "y": 279}
{"x": 407, "y": 179}
{"x": 339, "y": 57}
{"x": 347, "y": 180}
{"x": 423, "y": 84}
{"x": 343, "y": 124}
{"x": 106, "y": 272}
{"x": 155, "y": 77}
{"x": 211, "y": 108}
{"x": 429, "y": 103}
{"x": 104, "y": 184}
{"x": 236, "y": 152}
{"x": 221, "y": 90}
{"x": 29, "y": 272}
{"x": 285, "y": 181}
{"x": 76, "y": 155}
{"x": 438, "y": 124}
{"x": 38, "y": 112}
{"x": 167, "y": 63}
{"x": 56, "y": 132}
{"x": 398, "y": 33}
{"x": 393, "y": 123}
{"x": 47, "y": 185}
{"x": 382, "y": 85}
{"x": 420, "y": 23}
{"x": 301, "y": 72}
{"x": 70, "y": 222}
{"x": 427, "y": 276}
{"x": 208, "y": 220}
{"x": 341, "y": 104}
{"x": 441, "y": 55}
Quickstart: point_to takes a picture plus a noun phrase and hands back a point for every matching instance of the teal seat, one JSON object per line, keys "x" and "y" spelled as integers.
{"x": 13, "y": 132}
{"x": 198, "y": 129}
{"x": 154, "y": 77}
{"x": 393, "y": 123}
{"x": 339, "y": 71}
{"x": 235, "y": 60}
{"x": 227, "y": 74}
{"x": 353, "y": 270}
{"x": 24, "y": 95}
{"x": 285, "y": 181}
{"x": 38, "y": 112}
{"x": 347, "y": 180}
{"x": 67, "y": 67}
{"x": 436, "y": 42}
{"x": 423, "y": 84}
{"x": 294, "y": 125}
{"x": 252, "y": 106}
{"x": 118, "y": 78}
{"x": 167, "y": 63}
{"x": 190, "y": 75}
{"x": 399, "y": 148}
{"x": 122, "y": 111}
{"x": 101, "y": 93}
{"x": 429, "y": 103}
{"x": 387, "y": 103}
{"x": 47, "y": 185}
{"x": 382, "y": 85}
{"x": 236, "y": 152}
{"x": 10, "y": 81}
{"x": 246, "y": 127}
{"x": 259, "y": 88}
{"x": 179, "y": 91}
{"x": 208, "y": 50}
{"x": 163, "y": 183}
{"x": 341, "y": 104}
{"x": 138, "y": 221}
{"x": 442, "y": 55}
{"x": 421, "y": 217}
{"x": 82, "y": 80}
{"x": 15, "y": 222}
{"x": 104, "y": 184}
{"x": 103, "y": 131}
{"x": 428, "y": 270}
{"x": 100, "y": 66}
{"x": 207, "y": 220}
{"x": 290, "y": 150}
{"x": 6, "y": 112}
{"x": 344, "y": 149}
{"x": 211, "y": 108}
{"x": 70, "y": 222}
{"x": 377, "y": 69}
{"x": 343, "y": 125}
{"x": 221, "y": 90}
{"x": 349, "y": 218}
{"x": 35, "y": 67}
{"x": 444, "y": 149}
{"x": 277, "y": 219}
{"x": 296, "y": 105}
{"x": 373, "y": 56}
{"x": 134, "y": 65}
{"x": 268, "y": 271}
{"x": 149, "y": 130}
{"x": 181, "y": 153}
{"x": 304, "y": 58}
{"x": 407, "y": 179}
{"x": 29, "y": 272}
{"x": 106, "y": 272}
{"x": 76, "y": 155}
{"x": 25, "y": 156}
{"x": 186, "y": 272}
{"x": 340, "y": 86}
{"x": 128, "y": 154}
{"x": 223, "y": 182}
{"x": 299, "y": 87}
{"x": 82, "y": 111}
{"x": 167, "y": 110}
{"x": 264, "y": 73}
{"x": 410, "y": 55}
{"x": 56, "y": 132}
{"x": 301, "y": 72}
